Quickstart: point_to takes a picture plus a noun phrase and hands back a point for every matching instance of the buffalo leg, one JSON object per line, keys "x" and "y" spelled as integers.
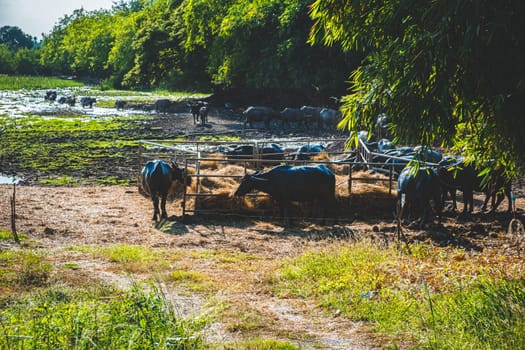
{"x": 156, "y": 211}
{"x": 163, "y": 205}
{"x": 468, "y": 201}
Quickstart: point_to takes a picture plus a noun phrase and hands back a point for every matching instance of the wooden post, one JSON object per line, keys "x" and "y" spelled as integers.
{"x": 390, "y": 175}
{"x": 139, "y": 175}
{"x": 197, "y": 185}
{"x": 13, "y": 214}
{"x": 349, "y": 180}
{"x": 183, "y": 204}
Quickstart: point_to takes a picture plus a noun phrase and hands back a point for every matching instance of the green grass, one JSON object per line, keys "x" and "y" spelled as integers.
{"x": 132, "y": 258}
{"x": 8, "y": 82}
{"x": 8, "y": 236}
{"x": 256, "y": 344}
{"x": 23, "y": 269}
{"x": 59, "y": 318}
{"x": 488, "y": 315}
{"x": 195, "y": 281}
{"x": 441, "y": 298}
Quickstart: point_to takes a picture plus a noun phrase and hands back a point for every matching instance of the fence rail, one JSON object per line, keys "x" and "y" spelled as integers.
{"x": 182, "y": 151}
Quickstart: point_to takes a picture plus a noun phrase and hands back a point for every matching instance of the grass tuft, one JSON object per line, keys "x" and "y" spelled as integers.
{"x": 441, "y": 297}
{"x": 136, "y": 319}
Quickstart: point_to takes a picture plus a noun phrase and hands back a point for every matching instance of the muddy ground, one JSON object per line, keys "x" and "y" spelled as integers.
{"x": 57, "y": 217}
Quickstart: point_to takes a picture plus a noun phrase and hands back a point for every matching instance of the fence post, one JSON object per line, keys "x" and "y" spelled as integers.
{"x": 183, "y": 204}
{"x": 13, "y": 215}
{"x": 349, "y": 180}
{"x": 197, "y": 185}
{"x": 139, "y": 163}
{"x": 390, "y": 175}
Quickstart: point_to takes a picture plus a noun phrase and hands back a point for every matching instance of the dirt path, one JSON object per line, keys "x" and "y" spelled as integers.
{"x": 59, "y": 217}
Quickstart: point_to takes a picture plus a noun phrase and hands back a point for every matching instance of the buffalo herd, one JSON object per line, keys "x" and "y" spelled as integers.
{"x": 306, "y": 117}
{"x": 432, "y": 178}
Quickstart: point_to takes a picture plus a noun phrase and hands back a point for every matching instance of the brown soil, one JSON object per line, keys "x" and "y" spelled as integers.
{"x": 56, "y": 217}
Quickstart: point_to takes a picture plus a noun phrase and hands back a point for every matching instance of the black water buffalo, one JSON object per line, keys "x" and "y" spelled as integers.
{"x": 195, "y": 109}
{"x": 271, "y": 152}
{"x": 292, "y": 115}
{"x": 305, "y": 152}
{"x": 499, "y": 186}
{"x": 51, "y": 95}
{"x": 87, "y": 101}
{"x": 120, "y": 104}
{"x": 311, "y": 115}
{"x": 203, "y": 112}
{"x": 287, "y": 183}
{"x": 259, "y": 114}
{"x": 456, "y": 174}
{"x": 416, "y": 187}
{"x": 70, "y": 100}
{"x": 383, "y": 126}
{"x": 162, "y": 105}
{"x": 157, "y": 178}
{"x": 427, "y": 154}
{"x": 328, "y": 118}
{"x": 385, "y": 145}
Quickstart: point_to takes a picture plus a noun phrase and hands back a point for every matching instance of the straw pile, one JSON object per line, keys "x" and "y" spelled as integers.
{"x": 369, "y": 192}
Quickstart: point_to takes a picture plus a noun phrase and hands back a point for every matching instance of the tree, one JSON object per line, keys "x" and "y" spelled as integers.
{"x": 7, "y": 60}
{"x": 444, "y": 71}
{"x": 15, "y": 38}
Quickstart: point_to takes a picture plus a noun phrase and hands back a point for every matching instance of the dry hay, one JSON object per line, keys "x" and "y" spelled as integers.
{"x": 223, "y": 189}
{"x": 341, "y": 169}
{"x": 213, "y": 164}
{"x": 369, "y": 194}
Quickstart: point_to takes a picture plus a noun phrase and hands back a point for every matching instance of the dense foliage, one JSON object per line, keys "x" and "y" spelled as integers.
{"x": 445, "y": 72}
{"x": 248, "y": 46}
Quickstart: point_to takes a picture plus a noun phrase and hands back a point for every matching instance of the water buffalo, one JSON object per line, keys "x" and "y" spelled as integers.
{"x": 456, "y": 174}
{"x": 427, "y": 154}
{"x": 203, "y": 112}
{"x": 287, "y": 183}
{"x": 51, "y": 95}
{"x": 499, "y": 186}
{"x": 162, "y": 105}
{"x": 259, "y": 114}
{"x": 328, "y": 118}
{"x": 157, "y": 178}
{"x": 271, "y": 152}
{"x": 120, "y": 104}
{"x": 70, "y": 100}
{"x": 311, "y": 115}
{"x": 383, "y": 126}
{"x": 305, "y": 152}
{"x": 292, "y": 115}
{"x": 195, "y": 109}
{"x": 385, "y": 145}
{"x": 416, "y": 187}
{"x": 87, "y": 101}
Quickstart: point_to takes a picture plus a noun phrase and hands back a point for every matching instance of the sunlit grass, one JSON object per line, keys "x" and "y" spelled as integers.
{"x": 6, "y": 235}
{"x": 131, "y": 258}
{"x": 256, "y": 344}
{"x": 23, "y": 269}
{"x": 9, "y": 82}
{"x": 73, "y": 319}
{"x": 401, "y": 294}
{"x": 195, "y": 281}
